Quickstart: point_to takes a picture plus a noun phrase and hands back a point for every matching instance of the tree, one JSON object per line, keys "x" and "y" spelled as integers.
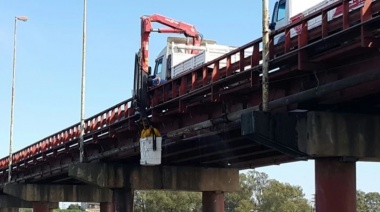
{"x": 155, "y": 201}
{"x": 283, "y": 197}
{"x": 361, "y": 205}
{"x": 249, "y": 196}
{"x": 25, "y": 210}
{"x": 372, "y": 200}
{"x": 73, "y": 208}
{"x": 257, "y": 193}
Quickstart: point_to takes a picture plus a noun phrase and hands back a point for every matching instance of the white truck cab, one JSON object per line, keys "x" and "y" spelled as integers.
{"x": 285, "y": 11}
{"x": 288, "y": 11}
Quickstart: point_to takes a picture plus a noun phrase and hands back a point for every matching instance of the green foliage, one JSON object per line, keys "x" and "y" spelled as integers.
{"x": 259, "y": 193}
{"x": 367, "y": 202}
{"x": 156, "y": 201}
{"x": 74, "y": 206}
{"x": 283, "y": 197}
{"x": 71, "y": 208}
{"x": 361, "y": 205}
{"x": 25, "y": 210}
{"x": 372, "y": 200}
{"x": 249, "y": 197}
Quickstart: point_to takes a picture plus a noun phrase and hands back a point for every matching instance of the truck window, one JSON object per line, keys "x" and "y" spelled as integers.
{"x": 281, "y": 10}
{"x": 274, "y": 16}
{"x": 158, "y": 67}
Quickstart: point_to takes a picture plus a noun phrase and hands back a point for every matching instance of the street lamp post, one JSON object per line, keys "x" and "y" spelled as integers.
{"x": 81, "y": 139}
{"x": 17, "y": 18}
{"x": 265, "y": 57}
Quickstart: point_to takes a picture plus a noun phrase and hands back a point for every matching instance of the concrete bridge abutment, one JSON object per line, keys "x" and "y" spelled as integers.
{"x": 124, "y": 180}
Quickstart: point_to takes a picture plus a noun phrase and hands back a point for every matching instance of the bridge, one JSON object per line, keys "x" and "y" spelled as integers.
{"x": 324, "y": 99}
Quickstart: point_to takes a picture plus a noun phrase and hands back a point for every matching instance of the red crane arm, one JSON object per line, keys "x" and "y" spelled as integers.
{"x": 175, "y": 27}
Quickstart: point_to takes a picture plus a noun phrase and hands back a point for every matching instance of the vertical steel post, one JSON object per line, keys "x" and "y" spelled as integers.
{"x": 265, "y": 52}
{"x": 82, "y": 127}
{"x": 12, "y": 101}
{"x": 21, "y": 18}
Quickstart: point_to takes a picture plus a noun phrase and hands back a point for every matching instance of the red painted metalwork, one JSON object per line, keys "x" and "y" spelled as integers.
{"x": 209, "y": 82}
{"x": 335, "y": 184}
{"x": 41, "y": 207}
{"x": 56, "y": 141}
{"x": 212, "y": 201}
{"x": 123, "y": 199}
{"x": 107, "y": 207}
{"x": 176, "y": 27}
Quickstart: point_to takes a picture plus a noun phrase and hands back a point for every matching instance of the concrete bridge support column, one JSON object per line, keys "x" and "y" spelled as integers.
{"x": 107, "y": 207}
{"x": 123, "y": 180}
{"x": 334, "y": 140}
{"x": 335, "y": 185}
{"x": 42, "y": 207}
{"x": 212, "y": 201}
{"x": 123, "y": 200}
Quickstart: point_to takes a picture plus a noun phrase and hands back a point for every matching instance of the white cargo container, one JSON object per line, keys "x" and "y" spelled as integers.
{"x": 210, "y": 52}
{"x": 174, "y": 59}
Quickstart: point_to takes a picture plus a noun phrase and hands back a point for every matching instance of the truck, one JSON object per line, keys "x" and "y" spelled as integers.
{"x": 179, "y": 55}
{"x": 286, "y": 12}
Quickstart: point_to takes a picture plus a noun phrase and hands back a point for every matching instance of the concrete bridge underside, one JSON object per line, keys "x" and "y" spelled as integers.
{"x": 311, "y": 135}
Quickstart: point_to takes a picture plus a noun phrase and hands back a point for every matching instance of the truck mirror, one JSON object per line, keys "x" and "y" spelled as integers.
{"x": 149, "y": 70}
{"x": 272, "y": 25}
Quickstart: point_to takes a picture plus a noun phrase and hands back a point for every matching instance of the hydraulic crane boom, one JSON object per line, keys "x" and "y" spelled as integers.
{"x": 142, "y": 69}
{"x": 175, "y": 27}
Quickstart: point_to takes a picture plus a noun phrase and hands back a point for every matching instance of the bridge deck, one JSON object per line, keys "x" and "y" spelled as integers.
{"x": 334, "y": 51}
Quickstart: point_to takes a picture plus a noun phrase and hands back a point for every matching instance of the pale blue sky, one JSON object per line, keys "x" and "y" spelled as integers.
{"x": 49, "y": 63}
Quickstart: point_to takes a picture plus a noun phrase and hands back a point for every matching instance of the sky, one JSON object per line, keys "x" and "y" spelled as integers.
{"x": 48, "y": 70}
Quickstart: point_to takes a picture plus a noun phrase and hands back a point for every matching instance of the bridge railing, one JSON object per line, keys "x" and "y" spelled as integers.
{"x": 59, "y": 141}
{"x": 249, "y": 55}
